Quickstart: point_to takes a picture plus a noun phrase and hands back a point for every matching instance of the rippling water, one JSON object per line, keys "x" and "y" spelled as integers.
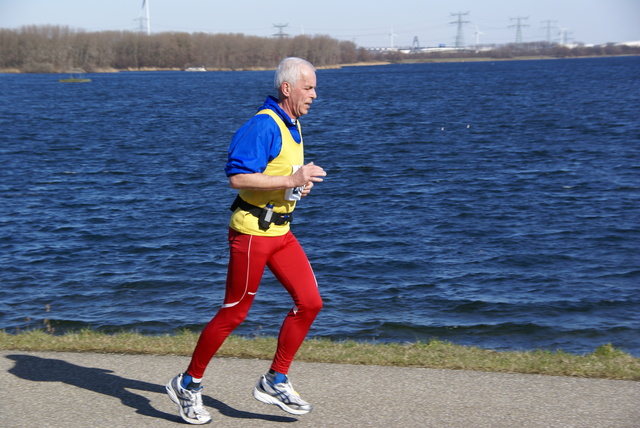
{"x": 489, "y": 204}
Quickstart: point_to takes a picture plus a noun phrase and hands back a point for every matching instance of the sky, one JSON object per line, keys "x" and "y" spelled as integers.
{"x": 368, "y": 23}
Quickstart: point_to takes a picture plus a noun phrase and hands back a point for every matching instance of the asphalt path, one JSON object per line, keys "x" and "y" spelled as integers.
{"x": 47, "y": 389}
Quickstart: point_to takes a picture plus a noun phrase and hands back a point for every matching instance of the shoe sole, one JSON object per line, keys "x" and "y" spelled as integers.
{"x": 174, "y": 397}
{"x": 267, "y": 399}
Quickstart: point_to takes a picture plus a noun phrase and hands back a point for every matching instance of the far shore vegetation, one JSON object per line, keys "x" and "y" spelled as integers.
{"x": 605, "y": 362}
{"x": 60, "y": 49}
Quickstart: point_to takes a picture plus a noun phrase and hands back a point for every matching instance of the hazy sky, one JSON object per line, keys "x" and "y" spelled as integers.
{"x": 368, "y": 23}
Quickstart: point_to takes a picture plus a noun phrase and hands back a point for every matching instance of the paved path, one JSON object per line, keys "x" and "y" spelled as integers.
{"x": 69, "y": 390}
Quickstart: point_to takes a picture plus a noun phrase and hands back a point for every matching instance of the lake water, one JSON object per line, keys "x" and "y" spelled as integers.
{"x": 493, "y": 204}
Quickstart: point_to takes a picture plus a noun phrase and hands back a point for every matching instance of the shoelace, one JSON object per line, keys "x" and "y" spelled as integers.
{"x": 196, "y": 398}
{"x": 289, "y": 394}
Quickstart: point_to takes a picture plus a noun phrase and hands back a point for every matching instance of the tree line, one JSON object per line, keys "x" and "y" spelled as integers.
{"x": 47, "y": 49}
{"x": 55, "y": 49}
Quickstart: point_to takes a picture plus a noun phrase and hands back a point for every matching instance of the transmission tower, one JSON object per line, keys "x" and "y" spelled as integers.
{"x": 549, "y": 25}
{"x": 564, "y": 35}
{"x": 459, "y": 22}
{"x": 280, "y": 33}
{"x": 415, "y": 46}
{"x": 519, "y": 26}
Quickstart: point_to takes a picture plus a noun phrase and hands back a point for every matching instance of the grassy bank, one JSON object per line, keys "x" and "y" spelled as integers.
{"x": 605, "y": 362}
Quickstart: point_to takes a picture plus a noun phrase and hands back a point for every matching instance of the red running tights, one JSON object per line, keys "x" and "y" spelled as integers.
{"x": 249, "y": 254}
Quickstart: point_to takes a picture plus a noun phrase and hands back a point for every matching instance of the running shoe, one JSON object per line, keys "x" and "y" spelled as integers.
{"x": 280, "y": 394}
{"x": 189, "y": 402}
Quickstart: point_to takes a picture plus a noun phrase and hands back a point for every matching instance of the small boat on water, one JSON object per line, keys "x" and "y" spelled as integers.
{"x": 201, "y": 68}
{"x": 75, "y": 77}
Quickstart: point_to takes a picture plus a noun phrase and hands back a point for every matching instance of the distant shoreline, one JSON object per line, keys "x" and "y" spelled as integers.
{"x": 339, "y": 66}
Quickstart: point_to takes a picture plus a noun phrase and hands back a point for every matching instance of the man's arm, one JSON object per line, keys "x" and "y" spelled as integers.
{"x": 308, "y": 173}
{"x": 259, "y": 181}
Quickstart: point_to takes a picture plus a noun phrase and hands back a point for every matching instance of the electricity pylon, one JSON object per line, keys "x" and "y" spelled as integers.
{"x": 280, "y": 33}
{"x": 548, "y": 27}
{"x": 459, "y": 22}
{"x": 519, "y": 26}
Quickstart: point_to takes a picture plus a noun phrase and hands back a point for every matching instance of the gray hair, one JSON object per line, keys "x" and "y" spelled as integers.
{"x": 290, "y": 70}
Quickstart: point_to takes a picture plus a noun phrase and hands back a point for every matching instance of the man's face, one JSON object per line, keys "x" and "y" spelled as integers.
{"x": 302, "y": 93}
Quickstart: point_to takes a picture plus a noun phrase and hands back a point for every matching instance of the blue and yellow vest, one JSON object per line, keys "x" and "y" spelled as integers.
{"x": 290, "y": 155}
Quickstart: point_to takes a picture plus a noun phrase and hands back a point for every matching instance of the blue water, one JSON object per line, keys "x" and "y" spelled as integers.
{"x": 488, "y": 204}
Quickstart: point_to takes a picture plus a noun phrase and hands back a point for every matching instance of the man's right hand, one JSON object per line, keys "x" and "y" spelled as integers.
{"x": 308, "y": 173}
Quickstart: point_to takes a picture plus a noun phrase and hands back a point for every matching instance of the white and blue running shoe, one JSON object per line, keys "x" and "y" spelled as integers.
{"x": 189, "y": 402}
{"x": 280, "y": 394}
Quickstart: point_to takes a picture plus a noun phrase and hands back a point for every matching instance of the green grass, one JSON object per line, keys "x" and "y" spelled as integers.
{"x": 606, "y": 362}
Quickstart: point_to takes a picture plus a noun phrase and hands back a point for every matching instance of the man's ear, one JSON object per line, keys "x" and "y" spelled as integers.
{"x": 285, "y": 89}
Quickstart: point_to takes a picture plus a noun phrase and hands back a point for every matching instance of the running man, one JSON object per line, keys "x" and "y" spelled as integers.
{"x": 266, "y": 165}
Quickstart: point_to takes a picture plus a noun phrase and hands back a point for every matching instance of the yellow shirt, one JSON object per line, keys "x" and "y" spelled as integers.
{"x": 291, "y": 155}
